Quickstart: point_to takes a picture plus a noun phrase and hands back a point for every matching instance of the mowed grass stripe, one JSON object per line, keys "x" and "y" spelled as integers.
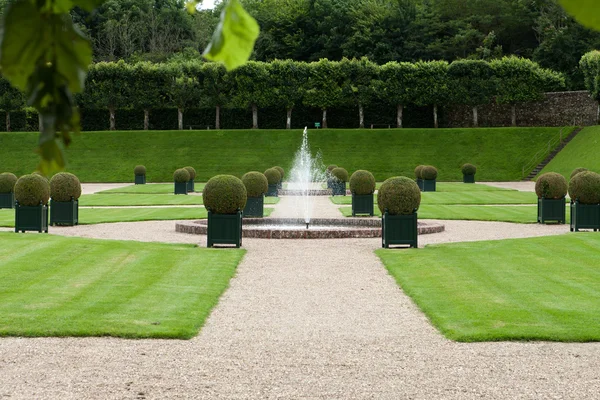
{"x": 476, "y": 197}
{"x": 151, "y": 188}
{"x": 124, "y": 199}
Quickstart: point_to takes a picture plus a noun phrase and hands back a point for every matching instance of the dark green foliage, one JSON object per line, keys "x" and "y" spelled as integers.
{"x": 585, "y": 187}
{"x": 64, "y": 187}
{"x": 281, "y": 171}
{"x": 362, "y": 182}
{"x": 418, "y": 171}
{"x": 7, "y": 182}
{"x": 576, "y": 171}
{"x": 472, "y": 82}
{"x": 469, "y": 169}
{"x": 590, "y": 66}
{"x": 31, "y": 190}
{"x": 191, "y": 171}
{"x": 551, "y": 186}
{"x": 139, "y": 170}
{"x": 340, "y": 174}
{"x": 273, "y": 176}
{"x": 429, "y": 172}
{"x": 256, "y": 183}
{"x": 399, "y": 196}
{"x": 224, "y": 194}
{"x": 181, "y": 175}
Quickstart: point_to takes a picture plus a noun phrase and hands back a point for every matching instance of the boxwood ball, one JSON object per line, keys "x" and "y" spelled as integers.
{"x": 31, "y": 190}
{"x": 418, "y": 170}
{"x": 181, "y": 175}
{"x": 469, "y": 169}
{"x": 139, "y": 170}
{"x": 224, "y": 194}
{"x": 7, "y": 182}
{"x": 585, "y": 187}
{"x": 362, "y": 182}
{"x": 191, "y": 171}
{"x": 273, "y": 176}
{"x": 340, "y": 174}
{"x": 399, "y": 195}
{"x": 551, "y": 186}
{"x": 64, "y": 186}
{"x": 576, "y": 171}
{"x": 256, "y": 183}
{"x": 429, "y": 173}
{"x": 281, "y": 171}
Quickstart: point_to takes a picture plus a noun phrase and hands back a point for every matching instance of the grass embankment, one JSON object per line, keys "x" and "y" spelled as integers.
{"x": 498, "y": 153}
{"x": 56, "y": 286}
{"x": 544, "y": 288}
{"x": 582, "y": 151}
{"x": 121, "y": 199}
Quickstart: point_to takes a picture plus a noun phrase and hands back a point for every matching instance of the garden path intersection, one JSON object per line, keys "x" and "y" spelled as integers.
{"x": 315, "y": 319}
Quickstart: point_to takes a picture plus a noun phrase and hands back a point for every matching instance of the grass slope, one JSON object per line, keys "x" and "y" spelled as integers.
{"x": 56, "y": 286}
{"x": 582, "y": 151}
{"x": 499, "y": 153}
{"x": 123, "y": 199}
{"x": 506, "y": 290}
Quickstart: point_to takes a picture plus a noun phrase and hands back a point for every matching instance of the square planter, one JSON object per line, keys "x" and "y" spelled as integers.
{"x": 329, "y": 183}
{"x": 140, "y": 179}
{"x": 399, "y": 230}
{"x": 272, "y": 192}
{"x": 254, "y": 207}
{"x": 468, "y": 178}
{"x": 551, "y": 210}
{"x": 224, "y": 229}
{"x": 181, "y": 187}
{"x": 338, "y": 188}
{"x": 190, "y": 185}
{"x": 280, "y": 185}
{"x": 64, "y": 213}
{"x": 585, "y": 216}
{"x": 31, "y": 218}
{"x": 419, "y": 183}
{"x": 362, "y": 204}
{"x": 7, "y": 200}
{"x": 428, "y": 185}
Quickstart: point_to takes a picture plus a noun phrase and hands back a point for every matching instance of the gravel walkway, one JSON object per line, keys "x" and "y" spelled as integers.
{"x": 520, "y": 186}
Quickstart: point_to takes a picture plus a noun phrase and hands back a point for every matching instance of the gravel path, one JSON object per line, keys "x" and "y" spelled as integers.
{"x": 520, "y": 186}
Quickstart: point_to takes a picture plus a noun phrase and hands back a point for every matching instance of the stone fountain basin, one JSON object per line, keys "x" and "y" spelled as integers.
{"x": 320, "y": 228}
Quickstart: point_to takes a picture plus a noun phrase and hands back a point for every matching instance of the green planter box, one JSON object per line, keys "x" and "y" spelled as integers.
{"x": 551, "y": 210}
{"x": 585, "y": 216}
{"x": 338, "y": 188}
{"x": 362, "y": 204}
{"x": 428, "y": 185}
{"x": 31, "y": 218}
{"x": 272, "y": 191}
{"x": 468, "y": 178}
{"x": 140, "y": 179}
{"x": 7, "y": 200}
{"x": 329, "y": 183}
{"x": 420, "y": 183}
{"x": 181, "y": 187}
{"x": 254, "y": 207}
{"x": 280, "y": 185}
{"x": 399, "y": 230}
{"x": 224, "y": 229}
{"x": 190, "y": 185}
{"x": 64, "y": 213}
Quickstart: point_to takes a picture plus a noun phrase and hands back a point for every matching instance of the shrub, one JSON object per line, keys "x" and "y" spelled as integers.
{"x": 7, "y": 182}
{"x": 256, "y": 183}
{"x": 224, "y": 194}
{"x": 139, "y": 170}
{"x": 38, "y": 173}
{"x": 340, "y": 174}
{"x": 551, "y": 186}
{"x": 468, "y": 169}
{"x": 181, "y": 175}
{"x": 418, "y": 171}
{"x": 585, "y": 187}
{"x": 362, "y": 182}
{"x": 31, "y": 190}
{"x": 429, "y": 173}
{"x": 281, "y": 171}
{"x": 64, "y": 186}
{"x": 576, "y": 171}
{"x": 273, "y": 176}
{"x": 191, "y": 171}
{"x": 331, "y": 168}
{"x": 399, "y": 195}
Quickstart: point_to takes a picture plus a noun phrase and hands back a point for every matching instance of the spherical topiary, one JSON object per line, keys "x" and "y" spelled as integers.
{"x": 418, "y": 170}
{"x": 340, "y": 174}
{"x": 273, "y": 176}
{"x": 362, "y": 182}
{"x": 191, "y": 171}
{"x": 224, "y": 194}
{"x": 468, "y": 169}
{"x": 139, "y": 170}
{"x": 181, "y": 175}
{"x": 551, "y": 186}
{"x": 399, "y": 196}
{"x": 256, "y": 183}
{"x": 576, "y": 171}
{"x": 331, "y": 168}
{"x": 281, "y": 171}
{"x": 585, "y": 187}
{"x": 31, "y": 190}
{"x": 38, "y": 173}
{"x": 64, "y": 186}
{"x": 429, "y": 173}
{"x": 7, "y": 182}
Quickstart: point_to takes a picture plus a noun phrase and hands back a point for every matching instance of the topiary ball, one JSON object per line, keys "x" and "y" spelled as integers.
{"x": 224, "y": 194}
{"x": 585, "y": 187}
{"x": 7, "y": 182}
{"x": 576, "y": 171}
{"x": 139, "y": 170}
{"x": 38, "y": 173}
{"x": 339, "y": 174}
{"x": 362, "y": 182}
{"x": 31, "y": 190}
{"x": 468, "y": 169}
{"x": 551, "y": 186}
{"x": 256, "y": 183}
{"x": 281, "y": 171}
{"x": 399, "y": 196}
{"x": 429, "y": 173}
{"x": 191, "y": 171}
{"x": 64, "y": 186}
{"x": 273, "y": 176}
{"x": 418, "y": 171}
{"x": 181, "y": 175}
{"x": 331, "y": 168}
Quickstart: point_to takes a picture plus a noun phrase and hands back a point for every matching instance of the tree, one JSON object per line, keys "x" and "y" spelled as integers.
{"x": 590, "y": 66}
{"x": 431, "y": 85}
{"x": 288, "y": 84}
{"x": 472, "y": 83}
{"x": 358, "y": 83}
{"x": 214, "y": 89}
{"x": 324, "y": 86}
{"x": 11, "y": 99}
{"x": 395, "y": 85}
{"x": 250, "y": 87}
{"x": 148, "y": 84}
{"x": 184, "y": 87}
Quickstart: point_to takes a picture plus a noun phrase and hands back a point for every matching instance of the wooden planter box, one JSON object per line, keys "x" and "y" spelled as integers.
{"x": 420, "y": 183}
{"x": 362, "y": 204}
{"x": 272, "y": 191}
{"x": 551, "y": 210}
{"x": 428, "y": 185}
{"x": 190, "y": 185}
{"x": 585, "y": 216}
{"x": 7, "y": 200}
{"x": 31, "y": 218}
{"x": 181, "y": 187}
{"x": 399, "y": 230}
{"x": 64, "y": 213}
{"x": 254, "y": 207}
{"x": 224, "y": 229}
{"x": 338, "y": 188}
{"x": 468, "y": 178}
{"x": 140, "y": 179}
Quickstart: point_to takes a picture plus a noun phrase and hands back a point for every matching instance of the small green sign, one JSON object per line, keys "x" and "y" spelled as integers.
{"x": 317, "y": 125}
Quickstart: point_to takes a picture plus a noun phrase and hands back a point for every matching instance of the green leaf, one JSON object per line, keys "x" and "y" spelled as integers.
{"x": 587, "y": 12}
{"x": 234, "y": 38}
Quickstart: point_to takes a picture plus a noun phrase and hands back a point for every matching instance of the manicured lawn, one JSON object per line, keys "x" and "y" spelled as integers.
{"x": 152, "y": 188}
{"x": 545, "y": 288}
{"x": 475, "y": 197}
{"x": 56, "y": 286}
{"x": 582, "y": 151}
{"x": 459, "y": 187}
{"x": 121, "y": 199}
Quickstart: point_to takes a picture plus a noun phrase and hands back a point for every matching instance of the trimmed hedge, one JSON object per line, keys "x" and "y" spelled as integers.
{"x": 31, "y": 190}
{"x": 64, "y": 187}
{"x": 7, "y": 182}
{"x": 399, "y": 195}
{"x": 362, "y": 182}
{"x": 469, "y": 169}
{"x": 191, "y": 171}
{"x": 340, "y": 174}
{"x": 256, "y": 183}
{"x": 551, "y": 186}
{"x": 429, "y": 173}
{"x": 273, "y": 176}
{"x": 576, "y": 171}
{"x": 224, "y": 194}
{"x": 139, "y": 170}
{"x": 585, "y": 187}
{"x": 181, "y": 175}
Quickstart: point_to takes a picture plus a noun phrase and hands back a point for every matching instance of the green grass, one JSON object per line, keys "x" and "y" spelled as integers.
{"x": 122, "y": 199}
{"x": 582, "y": 151}
{"x": 460, "y": 187}
{"x": 545, "y": 288}
{"x": 477, "y": 197}
{"x": 499, "y": 153}
{"x": 57, "y": 286}
{"x": 154, "y": 188}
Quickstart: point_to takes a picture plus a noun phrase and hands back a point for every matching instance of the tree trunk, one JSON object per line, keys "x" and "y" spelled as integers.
{"x": 254, "y": 116}
{"x": 325, "y": 119}
{"x": 361, "y": 117}
{"x": 513, "y": 114}
{"x": 146, "y": 119}
{"x": 475, "y": 117}
{"x": 8, "y": 122}
{"x": 218, "y": 117}
{"x": 111, "y": 110}
{"x": 288, "y": 121}
{"x": 399, "y": 115}
{"x": 180, "y": 118}
{"x": 435, "y": 116}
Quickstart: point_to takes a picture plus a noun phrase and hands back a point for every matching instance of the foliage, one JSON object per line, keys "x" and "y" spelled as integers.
{"x": 590, "y": 66}
{"x": 139, "y": 170}
{"x": 181, "y": 175}
{"x": 324, "y": 85}
{"x": 431, "y": 83}
{"x": 224, "y": 194}
{"x": 399, "y": 196}
{"x": 331, "y": 168}
{"x": 65, "y": 187}
{"x": 585, "y": 187}
{"x": 281, "y": 171}
{"x": 287, "y": 80}
{"x": 184, "y": 89}
{"x": 7, "y": 182}
{"x": 586, "y": 12}
{"x": 576, "y": 171}
{"x": 273, "y": 176}
{"x": 32, "y": 190}
{"x": 358, "y": 84}
{"x": 108, "y": 86}
{"x": 362, "y": 182}
{"x": 429, "y": 172}
{"x": 250, "y": 85}
{"x": 468, "y": 169}
{"x": 396, "y": 83}
{"x": 418, "y": 171}
{"x": 11, "y": 98}
{"x": 471, "y": 82}
{"x": 340, "y": 174}
{"x": 551, "y": 186}
{"x": 191, "y": 171}
{"x": 256, "y": 183}
{"x": 149, "y": 83}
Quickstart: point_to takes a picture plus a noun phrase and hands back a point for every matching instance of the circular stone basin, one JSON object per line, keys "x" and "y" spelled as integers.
{"x": 319, "y": 228}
